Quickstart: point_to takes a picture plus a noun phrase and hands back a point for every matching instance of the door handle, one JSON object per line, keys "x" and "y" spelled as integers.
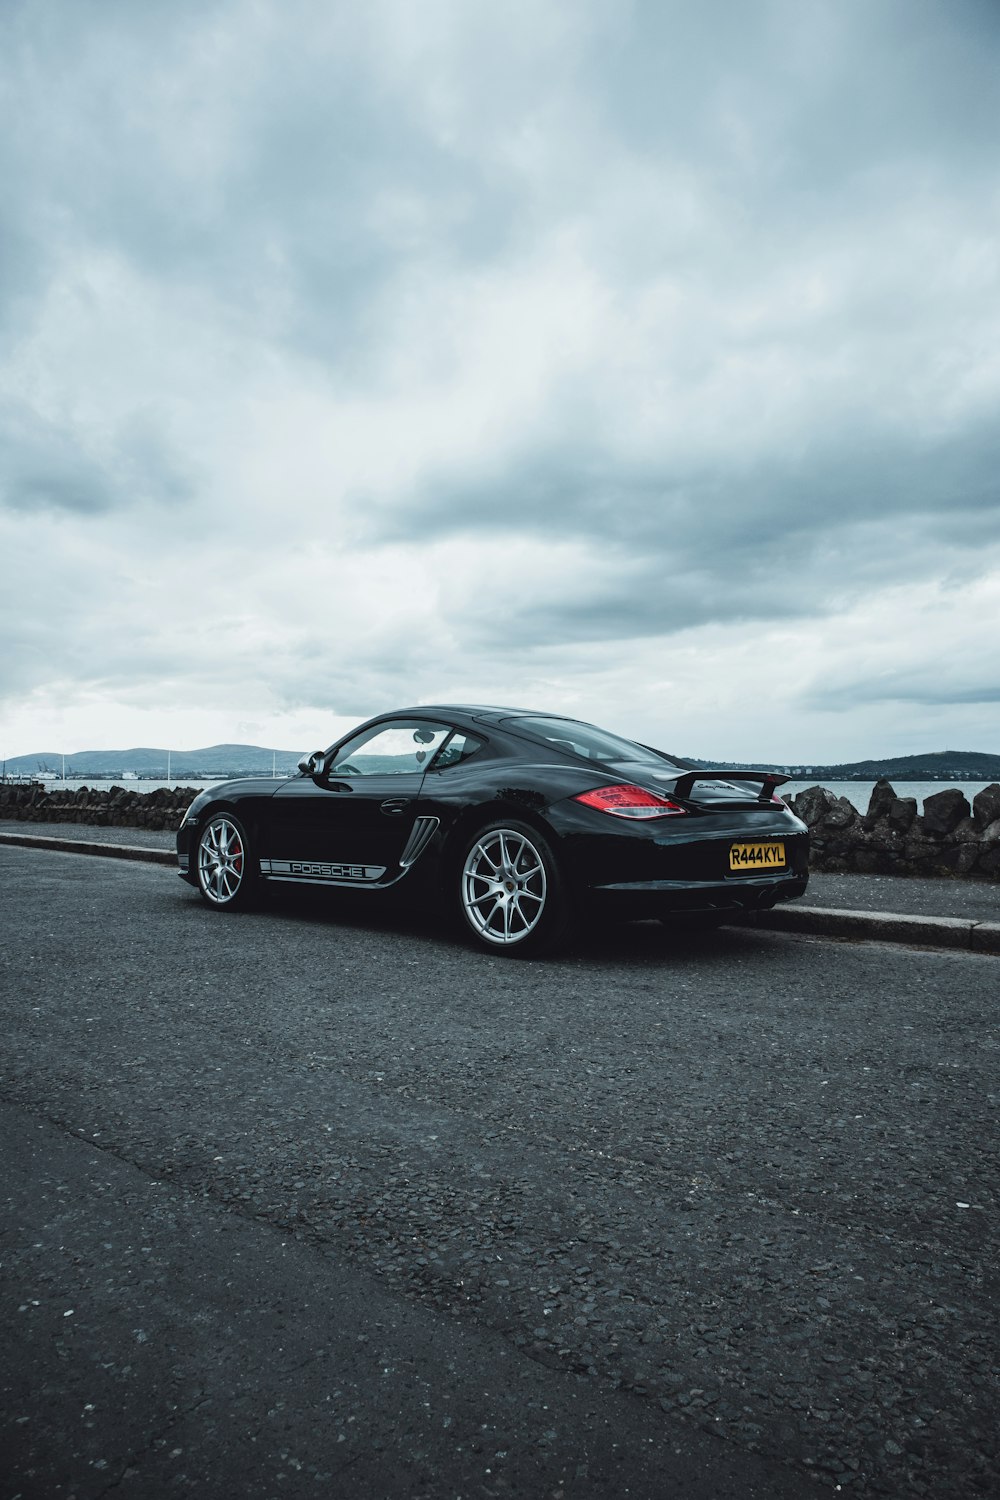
{"x": 396, "y": 805}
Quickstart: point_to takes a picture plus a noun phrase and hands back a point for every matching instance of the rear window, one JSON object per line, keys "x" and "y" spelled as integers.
{"x": 459, "y": 748}
{"x": 591, "y": 743}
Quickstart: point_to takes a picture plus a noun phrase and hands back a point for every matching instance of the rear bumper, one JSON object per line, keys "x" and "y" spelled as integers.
{"x": 660, "y": 898}
{"x": 680, "y": 864}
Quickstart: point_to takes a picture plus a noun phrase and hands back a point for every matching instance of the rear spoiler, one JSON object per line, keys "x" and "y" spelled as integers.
{"x": 768, "y": 779}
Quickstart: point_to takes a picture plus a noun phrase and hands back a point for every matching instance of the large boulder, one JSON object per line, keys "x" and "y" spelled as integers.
{"x": 986, "y": 805}
{"x": 813, "y": 804}
{"x": 902, "y": 814}
{"x": 840, "y": 813}
{"x": 944, "y": 811}
{"x": 884, "y": 807}
{"x": 967, "y": 858}
{"x": 881, "y": 800}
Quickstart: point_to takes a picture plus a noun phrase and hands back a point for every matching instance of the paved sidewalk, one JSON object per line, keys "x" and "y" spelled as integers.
{"x": 977, "y": 900}
{"x": 961, "y": 914}
{"x": 140, "y": 838}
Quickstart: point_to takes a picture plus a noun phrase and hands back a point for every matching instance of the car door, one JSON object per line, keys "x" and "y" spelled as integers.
{"x": 351, "y": 823}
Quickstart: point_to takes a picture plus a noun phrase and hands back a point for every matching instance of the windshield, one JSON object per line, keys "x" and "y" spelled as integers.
{"x": 591, "y": 743}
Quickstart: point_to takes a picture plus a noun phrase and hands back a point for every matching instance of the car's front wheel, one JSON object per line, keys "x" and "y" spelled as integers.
{"x": 510, "y": 891}
{"x": 226, "y": 876}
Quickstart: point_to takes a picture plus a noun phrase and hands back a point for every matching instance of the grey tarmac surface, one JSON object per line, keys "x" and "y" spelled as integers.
{"x": 167, "y": 1346}
{"x": 734, "y": 1196}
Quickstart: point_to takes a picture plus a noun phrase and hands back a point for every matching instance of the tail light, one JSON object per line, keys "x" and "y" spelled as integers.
{"x": 631, "y": 802}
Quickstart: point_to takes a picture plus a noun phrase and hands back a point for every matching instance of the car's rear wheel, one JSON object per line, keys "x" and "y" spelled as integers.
{"x": 226, "y": 877}
{"x": 511, "y": 894}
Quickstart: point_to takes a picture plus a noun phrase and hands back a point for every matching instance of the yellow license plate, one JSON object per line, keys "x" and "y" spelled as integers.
{"x": 757, "y": 856}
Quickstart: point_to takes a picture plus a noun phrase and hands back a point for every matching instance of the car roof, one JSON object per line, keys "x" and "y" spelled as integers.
{"x": 487, "y": 711}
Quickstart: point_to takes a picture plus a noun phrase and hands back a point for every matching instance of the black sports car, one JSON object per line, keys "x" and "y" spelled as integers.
{"x": 522, "y": 822}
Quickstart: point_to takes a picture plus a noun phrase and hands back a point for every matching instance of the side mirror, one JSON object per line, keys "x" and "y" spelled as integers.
{"x": 312, "y": 765}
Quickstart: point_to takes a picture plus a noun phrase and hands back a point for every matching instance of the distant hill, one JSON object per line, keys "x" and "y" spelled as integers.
{"x": 256, "y": 760}
{"x": 103, "y": 765}
{"x": 941, "y": 765}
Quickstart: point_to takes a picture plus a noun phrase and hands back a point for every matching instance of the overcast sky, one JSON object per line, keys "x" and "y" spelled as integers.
{"x": 639, "y": 361}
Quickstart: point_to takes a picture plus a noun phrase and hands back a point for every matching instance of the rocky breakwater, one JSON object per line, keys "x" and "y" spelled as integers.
{"x": 116, "y": 808}
{"x": 892, "y": 838}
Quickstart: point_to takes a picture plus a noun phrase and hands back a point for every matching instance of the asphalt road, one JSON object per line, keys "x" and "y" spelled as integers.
{"x": 312, "y": 1202}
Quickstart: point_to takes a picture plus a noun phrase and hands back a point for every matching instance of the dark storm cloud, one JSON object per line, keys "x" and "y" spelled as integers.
{"x": 820, "y": 91}
{"x": 22, "y": 268}
{"x": 244, "y": 152}
{"x": 770, "y": 541}
{"x": 44, "y": 465}
{"x": 930, "y": 686}
{"x": 832, "y": 484}
{"x": 247, "y": 151}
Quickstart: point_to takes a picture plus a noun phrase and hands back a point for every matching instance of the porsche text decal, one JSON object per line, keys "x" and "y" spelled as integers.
{"x": 314, "y": 869}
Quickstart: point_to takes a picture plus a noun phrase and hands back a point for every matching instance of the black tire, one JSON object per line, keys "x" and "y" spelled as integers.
{"x": 511, "y": 895}
{"x": 224, "y": 863}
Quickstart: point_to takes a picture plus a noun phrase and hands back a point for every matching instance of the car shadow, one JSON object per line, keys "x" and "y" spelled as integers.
{"x": 607, "y": 942}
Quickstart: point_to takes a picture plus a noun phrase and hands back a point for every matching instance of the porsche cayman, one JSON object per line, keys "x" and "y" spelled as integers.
{"x": 521, "y": 823}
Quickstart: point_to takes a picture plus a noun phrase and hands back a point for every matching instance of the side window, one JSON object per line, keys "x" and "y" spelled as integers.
{"x": 460, "y": 747}
{"x": 397, "y": 749}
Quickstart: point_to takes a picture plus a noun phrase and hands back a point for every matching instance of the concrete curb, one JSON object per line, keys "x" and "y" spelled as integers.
{"x": 884, "y": 927}
{"x": 817, "y": 921}
{"x": 88, "y": 846}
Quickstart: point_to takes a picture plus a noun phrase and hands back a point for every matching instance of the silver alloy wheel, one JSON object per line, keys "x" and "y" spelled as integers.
{"x": 221, "y": 860}
{"x": 503, "y": 886}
